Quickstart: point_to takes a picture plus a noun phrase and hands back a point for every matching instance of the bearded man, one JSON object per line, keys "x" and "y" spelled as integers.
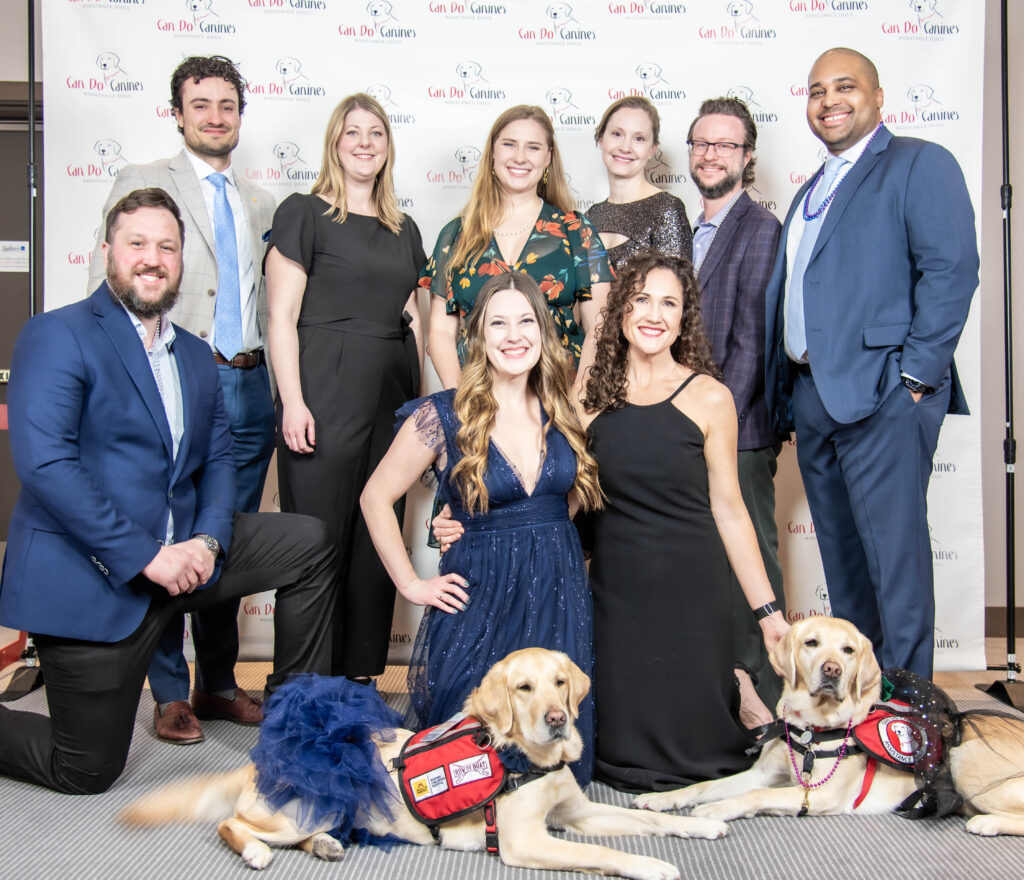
{"x": 126, "y": 514}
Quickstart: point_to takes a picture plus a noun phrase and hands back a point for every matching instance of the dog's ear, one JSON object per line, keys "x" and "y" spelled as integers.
{"x": 783, "y": 657}
{"x": 579, "y": 685}
{"x": 868, "y": 671}
{"x": 490, "y": 702}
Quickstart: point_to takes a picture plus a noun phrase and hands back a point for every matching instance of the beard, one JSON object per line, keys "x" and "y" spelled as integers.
{"x": 122, "y": 288}
{"x": 715, "y": 191}
{"x": 211, "y": 150}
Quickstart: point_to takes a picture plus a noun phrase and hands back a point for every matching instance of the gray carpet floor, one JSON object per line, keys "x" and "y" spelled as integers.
{"x": 46, "y": 835}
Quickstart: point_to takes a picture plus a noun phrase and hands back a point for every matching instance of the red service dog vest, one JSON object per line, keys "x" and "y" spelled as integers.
{"x": 449, "y": 770}
{"x": 894, "y": 734}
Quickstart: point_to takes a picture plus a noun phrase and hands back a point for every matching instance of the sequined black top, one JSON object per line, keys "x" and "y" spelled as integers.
{"x": 658, "y": 222}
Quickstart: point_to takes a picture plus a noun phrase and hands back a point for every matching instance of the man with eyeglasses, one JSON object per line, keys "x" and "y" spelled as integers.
{"x": 734, "y": 247}
{"x": 870, "y": 291}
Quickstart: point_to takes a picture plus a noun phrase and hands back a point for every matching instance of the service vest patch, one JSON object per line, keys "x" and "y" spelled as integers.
{"x": 894, "y": 734}
{"x": 449, "y": 770}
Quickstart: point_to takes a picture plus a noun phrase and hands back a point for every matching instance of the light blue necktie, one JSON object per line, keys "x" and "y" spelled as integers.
{"x": 228, "y": 315}
{"x": 796, "y": 331}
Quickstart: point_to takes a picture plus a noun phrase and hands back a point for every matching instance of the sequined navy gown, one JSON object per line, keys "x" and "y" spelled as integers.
{"x": 527, "y": 581}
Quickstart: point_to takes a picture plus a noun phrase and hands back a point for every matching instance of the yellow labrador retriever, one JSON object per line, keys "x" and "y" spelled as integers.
{"x": 529, "y": 700}
{"x": 831, "y": 678}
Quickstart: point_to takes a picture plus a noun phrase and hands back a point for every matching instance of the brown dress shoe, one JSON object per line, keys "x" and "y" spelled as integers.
{"x": 243, "y": 709}
{"x": 177, "y": 725}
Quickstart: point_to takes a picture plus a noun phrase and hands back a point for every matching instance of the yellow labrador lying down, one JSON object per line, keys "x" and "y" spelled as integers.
{"x": 831, "y": 682}
{"x": 526, "y": 700}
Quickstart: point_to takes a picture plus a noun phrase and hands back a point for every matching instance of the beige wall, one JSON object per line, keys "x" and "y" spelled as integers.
{"x": 13, "y": 63}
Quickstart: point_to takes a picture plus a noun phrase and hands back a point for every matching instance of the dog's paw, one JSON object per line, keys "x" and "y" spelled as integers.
{"x": 662, "y": 801}
{"x": 985, "y": 825}
{"x": 709, "y": 829}
{"x": 722, "y": 811}
{"x": 325, "y": 847}
{"x": 257, "y": 855}
{"x": 646, "y": 868}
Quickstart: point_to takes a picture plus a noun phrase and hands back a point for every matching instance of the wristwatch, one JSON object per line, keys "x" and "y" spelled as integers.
{"x": 212, "y": 544}
{"x": 915, "y": 386}
{"x": 766, "y": 610}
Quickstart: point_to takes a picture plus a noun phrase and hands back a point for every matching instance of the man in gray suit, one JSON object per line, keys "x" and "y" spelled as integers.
{"x": 223, "y": 301}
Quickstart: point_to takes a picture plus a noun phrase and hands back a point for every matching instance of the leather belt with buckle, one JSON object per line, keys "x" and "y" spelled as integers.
{"x": 244, "y": 360}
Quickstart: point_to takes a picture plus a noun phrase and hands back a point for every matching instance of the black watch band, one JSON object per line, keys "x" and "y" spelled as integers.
{"x": 766, "y": 610}
{"x": 916, "y": 387}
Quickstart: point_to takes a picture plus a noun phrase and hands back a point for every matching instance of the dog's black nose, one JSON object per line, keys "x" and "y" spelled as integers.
{"x": 831, "y": 669}
{"x": 555, "y": 718}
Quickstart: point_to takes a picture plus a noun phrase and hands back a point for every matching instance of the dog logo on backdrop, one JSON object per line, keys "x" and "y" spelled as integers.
{"x": 470, "y": 73}
{"x": 650, "y": 76}
{"x": 922, "y": 97}
{"x": 561, "y": 103}
{"x": 290, "y": 70}
{"x": 381, "y": 94}
{"x": 110, "y": 64}
{"x": 109, "y": 152}
{"x": 381, "y": 12}
{"x": 657, "y": 162}
{"x": 202, "y": 11}
{"x": 926, "y": 10}
{"x": 744, "y": 94}
{"x": 821, "y": 591}
{"x": 468, "y": 158}
{"x": 560, "y": 15}
{"x": 741, "y": 11}
{"x": 287, "y": 154}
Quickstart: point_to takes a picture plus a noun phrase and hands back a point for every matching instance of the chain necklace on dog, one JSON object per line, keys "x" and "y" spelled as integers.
{"x": 807, "y": 786}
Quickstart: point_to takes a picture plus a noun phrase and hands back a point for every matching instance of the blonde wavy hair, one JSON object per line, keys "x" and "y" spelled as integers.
{"x": 483, "y": 210}
{"x": 331, "y": 181}
{"x": 550, "y": 380}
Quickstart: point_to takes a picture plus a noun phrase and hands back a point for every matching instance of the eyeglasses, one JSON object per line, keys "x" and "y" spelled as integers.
{"x": 724, "y": 148}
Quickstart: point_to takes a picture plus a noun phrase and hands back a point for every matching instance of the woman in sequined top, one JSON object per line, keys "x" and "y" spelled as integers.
{"x": 520, "y": 218}
{"x": 636, "y": 216}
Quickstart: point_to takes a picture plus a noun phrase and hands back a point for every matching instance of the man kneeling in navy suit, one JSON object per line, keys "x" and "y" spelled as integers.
{"x": 126, "y": 513}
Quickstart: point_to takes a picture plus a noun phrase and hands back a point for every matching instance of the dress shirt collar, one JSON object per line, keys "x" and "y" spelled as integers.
{"x": 204, "y": 169}
{"x": 723, "y": 212}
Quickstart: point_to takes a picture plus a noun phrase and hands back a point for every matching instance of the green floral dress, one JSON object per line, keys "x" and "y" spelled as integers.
{"x": 563, "y": 254}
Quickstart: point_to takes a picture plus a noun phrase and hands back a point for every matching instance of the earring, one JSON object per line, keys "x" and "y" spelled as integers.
{"x": 544, "y": 179}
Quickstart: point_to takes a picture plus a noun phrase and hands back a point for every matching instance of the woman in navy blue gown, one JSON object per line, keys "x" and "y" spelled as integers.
{"x": 510, "y": 458}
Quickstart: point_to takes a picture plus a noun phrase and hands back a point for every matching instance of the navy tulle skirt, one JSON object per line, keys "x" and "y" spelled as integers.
{"x": 316, "y": 746}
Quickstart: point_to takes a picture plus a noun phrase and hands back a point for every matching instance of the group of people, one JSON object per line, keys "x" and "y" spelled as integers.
{"x": 617, "y": 363}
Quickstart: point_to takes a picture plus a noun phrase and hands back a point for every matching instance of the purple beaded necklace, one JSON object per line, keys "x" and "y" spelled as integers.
{"x": 807, "y": 786}
{"x": 828, "y": 199}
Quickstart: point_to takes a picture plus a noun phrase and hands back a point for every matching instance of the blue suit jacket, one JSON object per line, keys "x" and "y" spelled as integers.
{"x": 733, "y": 278}
{"x": 92, "y": 449}
{"x": 888, "y": 286}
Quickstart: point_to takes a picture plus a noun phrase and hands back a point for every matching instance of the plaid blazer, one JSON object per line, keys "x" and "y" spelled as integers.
{"x": 733, "y": 278}
{"x": 194, "y": 309}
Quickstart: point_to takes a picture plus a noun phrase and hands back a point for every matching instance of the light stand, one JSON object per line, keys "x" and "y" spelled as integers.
{"x": 1011, "y": 690}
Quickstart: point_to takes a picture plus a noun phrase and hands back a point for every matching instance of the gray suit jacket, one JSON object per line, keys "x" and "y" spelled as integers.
{"x": 194, "y": 309}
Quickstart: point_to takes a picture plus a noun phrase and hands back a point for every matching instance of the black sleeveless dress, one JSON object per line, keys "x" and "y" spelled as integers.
{"x": 663, "y": 651}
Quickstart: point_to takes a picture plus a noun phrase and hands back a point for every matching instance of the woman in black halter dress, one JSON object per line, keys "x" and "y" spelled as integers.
{"x": 663, "y": 432}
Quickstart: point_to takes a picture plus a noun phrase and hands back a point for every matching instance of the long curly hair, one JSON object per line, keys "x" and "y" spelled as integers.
{"x": 550, "y": 379}
{"x": 606, "y": 385}
{"x": 483, "y": 210}
{"x": 331, "y": 181}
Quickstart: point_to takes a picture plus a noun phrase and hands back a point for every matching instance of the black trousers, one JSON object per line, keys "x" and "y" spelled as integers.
{"x": 93, "y": 688}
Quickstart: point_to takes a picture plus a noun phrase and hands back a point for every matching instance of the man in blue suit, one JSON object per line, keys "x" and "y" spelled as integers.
{"x": 734, "y": 247}
{"x": 871, "y": 288}
{"x": 126, "y": 513}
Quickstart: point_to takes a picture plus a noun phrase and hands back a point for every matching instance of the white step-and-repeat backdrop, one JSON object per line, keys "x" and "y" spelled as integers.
{"x": 443, "y": 70}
